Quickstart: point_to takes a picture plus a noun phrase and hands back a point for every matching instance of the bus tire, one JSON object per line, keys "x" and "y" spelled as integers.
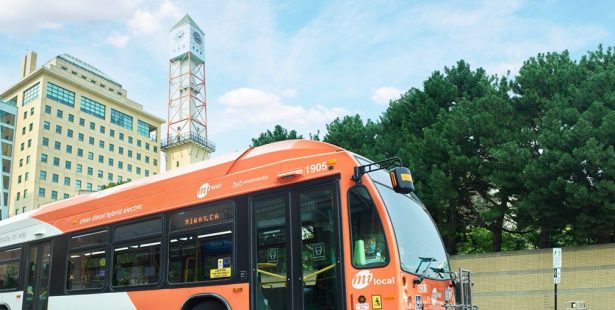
{"x": 207, "y": 303}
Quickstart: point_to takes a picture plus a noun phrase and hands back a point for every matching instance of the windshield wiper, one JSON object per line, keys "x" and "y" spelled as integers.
{"x": 438, "y": 271}
{"x": 429, "y": 260}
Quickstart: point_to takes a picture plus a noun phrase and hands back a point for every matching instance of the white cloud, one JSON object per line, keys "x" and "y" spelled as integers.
{"x": 254, "y": 108}
{"x": 33, "y": 15}
{"x": 117, "y": 40}
{"x": 383, "y": 95}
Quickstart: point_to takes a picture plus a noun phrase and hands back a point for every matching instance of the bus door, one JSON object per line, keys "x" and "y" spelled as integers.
{"x": 297, "y": 250}
{"x": 37, "y": 285}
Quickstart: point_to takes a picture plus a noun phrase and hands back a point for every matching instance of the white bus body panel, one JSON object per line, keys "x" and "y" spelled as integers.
{"x": 13, "y": 300}
{"x": 109, "y": 301}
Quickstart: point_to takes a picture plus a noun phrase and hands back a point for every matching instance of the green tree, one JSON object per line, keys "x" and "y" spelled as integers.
{"x": 569, "y": 108}
{"x": 352, "y": 134}
{"x": 279, "y": 133}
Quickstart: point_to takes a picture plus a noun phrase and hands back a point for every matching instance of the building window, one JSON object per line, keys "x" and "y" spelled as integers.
{"x": 89, "y": 186}
{"x": 66, "y": 181}
{"x": 100, "y": 174}
{"x": 29, "y": 143}
{"x": 46, "y": 125}
{"x": 90, "y": 156}
{"x": 26, "y": 176}
{"x": 30, "y": 127}
{"x": 129, "y": 153}
{"x": 56, "y": 162}
{"x": 121, "y": 136}
{"x": 71, "y": 118}
{"x": 79, "y": 168}
{"x": 139, "y": 170}
{"x": 66, "y": 196}
{"x": 60, "y": 113}
{"x": 110, "y": 176}
{"x": 91, "y": 140}
{"x": 101, "y": 129}
{"x": 25, "y": 193}
{"x": 92, "y": 107}
{"x": 101, "y": 144}
{"x": 81, "y": 122}
{"x": 60, "y": 94}
{"x": 129, "y": 167}
{"x": 30, "y": 94}
{"x": 78, "y": 184}
{"x": 121, "y": 119}
{"x": 43, "y": 158}
{"x": 57, "y": 145}
{"x": 55, "y": 178}
{"x": 111, "y": 147}
{"x": 101, "y": 159}
{"x": 155, "y": 162}
{"x": 22, "y": 146}
{"x": 138, "y": 143}
{"x": 27, "y": 159}
{"x": 54, "y": 195}
{"x": 147, "y": 159}
{"x": 21, "y": 162}
{"x": 58, "y": 129}
{"x": 18, "y": 196}
{"x": 41, "y": 192}
{"x": 112, "y": 133}
{"x": 155, "y": 149}
{"x": 68, "y": 165}
{"x": 92, "y": 126}
{"x": 146, "y": 130}
{"x": 120, "y": 164}
{"x": 47, "y": 109}
{"x": 69, "y": 149}
{"x": 138, "y": 156}
{"x": 80, "y": 137}
{"x": 90, "y": 171}
{"x": 19, "y": 179}
{"x": 110, "y": 162}
{"x": 129, "y": 140}
{"x": 45, "y": 141}
{"x": 43, "y": 175}
{"x": 69, "y": 133}
{"x": 31, "y": 111}
{"x": 79, "y": 152}
{"x": 120, "y": 150}
{"x": 23, "y": 131}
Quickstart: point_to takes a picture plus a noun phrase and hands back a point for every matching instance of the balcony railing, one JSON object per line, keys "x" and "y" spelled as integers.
{"x": 187, "y": 138}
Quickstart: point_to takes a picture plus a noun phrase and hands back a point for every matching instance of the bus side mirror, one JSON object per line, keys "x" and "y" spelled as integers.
{"x": 401, "y": 179}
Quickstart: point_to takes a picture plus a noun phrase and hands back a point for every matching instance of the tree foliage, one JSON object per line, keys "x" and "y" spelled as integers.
{"x": 503, "y": 163}
{"x": 279, "y": 133}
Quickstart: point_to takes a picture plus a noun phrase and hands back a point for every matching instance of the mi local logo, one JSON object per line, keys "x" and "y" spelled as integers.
{"x": 364, "y": 278}
{"x": 206, "y": 188}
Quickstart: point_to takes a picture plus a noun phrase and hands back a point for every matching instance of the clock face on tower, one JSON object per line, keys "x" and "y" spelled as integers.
{"x": 196, "y": 36}
{"x": 179, "y": 35}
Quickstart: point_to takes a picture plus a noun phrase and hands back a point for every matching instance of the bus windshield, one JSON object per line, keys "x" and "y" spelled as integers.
{"x": 420, "y": 247}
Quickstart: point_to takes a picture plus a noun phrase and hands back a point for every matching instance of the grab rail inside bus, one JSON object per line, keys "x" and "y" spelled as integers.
{"x": 315, "y": 273}
{"x": 275, "y": 275}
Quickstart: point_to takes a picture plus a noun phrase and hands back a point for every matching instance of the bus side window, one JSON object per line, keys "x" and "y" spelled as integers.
{"x": 9, "y": 268}
{"x": 368, "y": 240}
{"x": 87, "y": 261}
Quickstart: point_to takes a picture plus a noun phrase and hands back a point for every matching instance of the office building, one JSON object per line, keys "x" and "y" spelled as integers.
{"x": 76, "y": 130}
{"x": 7, "y": 139}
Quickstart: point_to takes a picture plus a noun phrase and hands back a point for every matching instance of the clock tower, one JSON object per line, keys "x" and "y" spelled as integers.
{"x": 186, "y": 140}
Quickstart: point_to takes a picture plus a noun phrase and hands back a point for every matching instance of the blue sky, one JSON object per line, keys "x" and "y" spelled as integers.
{"x": 300, "y": 64}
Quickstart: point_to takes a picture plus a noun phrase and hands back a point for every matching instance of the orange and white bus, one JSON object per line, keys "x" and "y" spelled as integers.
{"x": 290, "y": 225}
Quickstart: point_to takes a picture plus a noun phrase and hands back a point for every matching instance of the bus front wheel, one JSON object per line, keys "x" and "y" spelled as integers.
{"x": 209, "y": 305}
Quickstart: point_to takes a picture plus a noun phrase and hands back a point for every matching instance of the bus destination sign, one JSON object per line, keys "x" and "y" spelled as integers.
{"x": 202, "y": 216}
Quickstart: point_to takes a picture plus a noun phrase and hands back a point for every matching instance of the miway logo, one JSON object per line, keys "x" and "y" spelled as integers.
{"x": 206, "y": 188}
{"x": 364, "y": 278}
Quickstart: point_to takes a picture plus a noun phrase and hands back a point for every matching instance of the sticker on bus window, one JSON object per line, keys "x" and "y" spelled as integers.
{"x": 220, "y": 273}
{"x": 319, "y": 251}
{"x": 362, "y": 306}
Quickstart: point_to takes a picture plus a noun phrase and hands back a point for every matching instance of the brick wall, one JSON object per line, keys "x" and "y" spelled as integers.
{"x": 523, "y": 280}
